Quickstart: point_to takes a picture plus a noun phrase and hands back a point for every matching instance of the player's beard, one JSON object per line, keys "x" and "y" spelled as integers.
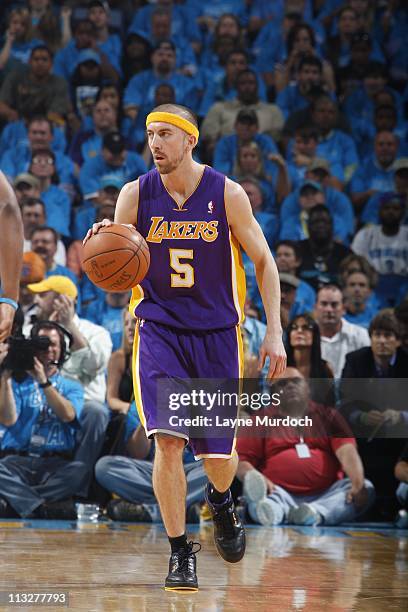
{"x": 170, "y": 166}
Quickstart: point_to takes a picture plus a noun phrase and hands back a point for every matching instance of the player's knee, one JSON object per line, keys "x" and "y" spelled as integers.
{"x": 169, "y": 445}
{"x": 216, "y": 464}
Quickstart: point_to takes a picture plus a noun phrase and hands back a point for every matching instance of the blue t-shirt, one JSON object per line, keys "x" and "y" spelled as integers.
{"x": 337, "y": 202}
{"x": 339, "y": 148}
{"x": 370, "y": 175}
{"x": 17, "y": 159}
{"x": 109, "y": 318}
{"x": 38, "y": 429}
{"x": 181, "y": 23}
{"x": 226, "y": 150}
{"x": 58, "y": 209}
{"x": 291, "y": 100}
{"x": 15, "y": 133}
{"x": 93, "y": 170}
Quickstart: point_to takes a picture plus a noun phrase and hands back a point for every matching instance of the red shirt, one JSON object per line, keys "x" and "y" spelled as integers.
{"x": 273, "y": 450}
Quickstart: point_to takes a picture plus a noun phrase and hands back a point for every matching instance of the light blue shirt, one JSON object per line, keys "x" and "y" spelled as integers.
{"x": 38, "y": 429}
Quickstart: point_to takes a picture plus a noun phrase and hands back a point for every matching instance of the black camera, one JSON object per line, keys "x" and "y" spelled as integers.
{"x": 21, "y": 353}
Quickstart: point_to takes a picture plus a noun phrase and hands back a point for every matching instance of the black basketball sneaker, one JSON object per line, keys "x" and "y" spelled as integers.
{"x": 229, "y": 533}
{"x": 182, "y": 574}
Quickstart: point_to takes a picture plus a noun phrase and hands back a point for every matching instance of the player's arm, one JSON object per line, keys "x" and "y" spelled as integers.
{"x": 250, "y": 236}
{"x": 11, "y": 254}
{"x": 125, "y": 210}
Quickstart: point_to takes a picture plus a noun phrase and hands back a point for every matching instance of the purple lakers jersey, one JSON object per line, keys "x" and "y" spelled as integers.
{"x": 196, "y": 279}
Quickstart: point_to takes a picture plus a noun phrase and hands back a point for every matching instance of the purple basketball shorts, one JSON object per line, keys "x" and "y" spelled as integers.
{"x": 165, "y": 362}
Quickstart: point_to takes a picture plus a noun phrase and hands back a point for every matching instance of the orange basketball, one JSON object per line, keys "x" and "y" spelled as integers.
{"x": 116, "y": 259}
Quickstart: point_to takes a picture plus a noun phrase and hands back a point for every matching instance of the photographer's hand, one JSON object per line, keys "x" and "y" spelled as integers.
{"x": 38, "y": 373}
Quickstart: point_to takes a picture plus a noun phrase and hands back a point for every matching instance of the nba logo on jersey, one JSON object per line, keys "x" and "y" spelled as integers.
{"x": 210, "y": 207}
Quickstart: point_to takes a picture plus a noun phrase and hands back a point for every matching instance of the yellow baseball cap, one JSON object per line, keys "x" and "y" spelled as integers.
{"x": 59, "y": 284}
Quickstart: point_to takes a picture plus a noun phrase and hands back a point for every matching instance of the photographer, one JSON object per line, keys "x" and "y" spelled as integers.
{"x": 40, "y": 410}
{"x": 91, "y": 348}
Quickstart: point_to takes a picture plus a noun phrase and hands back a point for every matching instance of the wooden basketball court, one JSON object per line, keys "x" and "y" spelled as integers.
{"x": 121, "y": 568}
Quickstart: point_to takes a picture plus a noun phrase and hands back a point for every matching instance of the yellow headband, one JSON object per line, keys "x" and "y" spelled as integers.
{"x": 180, "y": 122}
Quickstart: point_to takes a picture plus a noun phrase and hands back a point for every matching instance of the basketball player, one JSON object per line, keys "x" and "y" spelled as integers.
{"x": 11, "y": 256}
{"x": 189, "y": 308}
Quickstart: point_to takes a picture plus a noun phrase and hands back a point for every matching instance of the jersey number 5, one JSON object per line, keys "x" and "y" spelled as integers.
{"x": 185, "y": 272}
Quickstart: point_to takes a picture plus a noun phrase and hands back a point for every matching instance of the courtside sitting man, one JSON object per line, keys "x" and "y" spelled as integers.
{"x": 189, "y": 307}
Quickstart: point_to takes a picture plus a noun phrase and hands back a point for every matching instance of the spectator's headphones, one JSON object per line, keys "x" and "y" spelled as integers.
{"x": 66, "y": 338}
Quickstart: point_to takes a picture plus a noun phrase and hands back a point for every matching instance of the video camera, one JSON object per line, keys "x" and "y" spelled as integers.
{"x": 21, "y": 353}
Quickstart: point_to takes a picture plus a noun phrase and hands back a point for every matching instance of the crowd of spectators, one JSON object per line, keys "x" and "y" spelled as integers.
{"x": 305, "y": 104}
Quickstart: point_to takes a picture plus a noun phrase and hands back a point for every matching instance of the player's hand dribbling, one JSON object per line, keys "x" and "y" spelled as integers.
{"x": 272, "y": 347}
{"x": 96, "y": 227}
{"x": 104, "y": 223}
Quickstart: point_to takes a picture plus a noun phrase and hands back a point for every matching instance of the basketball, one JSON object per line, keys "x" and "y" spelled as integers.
{"x": 116, "y": 259}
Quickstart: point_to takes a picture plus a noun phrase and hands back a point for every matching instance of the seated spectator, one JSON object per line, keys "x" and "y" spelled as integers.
{"x": 334, "y": 145}
{"x": 26, "y": 186}
{"x": 246, "y": 130}
{"x": 267, "y": 221}
{"x": 304, "y": 353}
{"x": 282, "y": 475}
{"x": 374, "y": 402}
{"x": 119, "y": 380}
{"x": 87, "y": 144}
{"x": 320, "y": 253}
{"x": 356, "y": 263}
{"x": 249, "y": 162}
{"x": 221, "y": 79}
{"x": 57, "y": 203}
{"x": 288, "y": 260}
{"x": 33, "y": 215}
{"x": 110, "y": 44}
{"x": 401, "y": 312}
{"x": 401, "y": 474}
{"x": 360, "y": 104}
{"x": 375, "y": 173}
{"x": 302, "y": 153}
{"x": 16, "y": 133}
{"x": 339, "y": 46}
{"x": 44, "y": 242}
{"x": 84, "y": 38}
{"x": 109, "y": 313}
{"x": 35, "y": 91}
{"x": 338, "y": 336}
{"x": 38, "y": 474}
{"x": 85, "y": 83}
{"x": 40, "y": 136}
{"x": 32, "y": 271}
{"x": 361, "y": 49}
{"x": 137, "y": 51}
{"x": 295, "y": 96}
{"x": 385, "y": 246}
{"x": 301, "y": 42}
{"x": 130, "y": 477}
{"x": 113, "y": 159}
{"x": 138, "y": 98}
{"x": 371, "y": 209}
{"x": 221, "y": 117}
{"x": 289, "y": 285}
{"x": 107, "y": 195}
{"x": 91, "y": 347}
{"x": 360, "y": 303}
{"x": 181, "y": 24}
{"x": 339, "y": 205}
{"x": 385, "y": 120}
{"x": 161, "y": 29}
{"x": 302, "y": 118}
{"x": 18, "y": 41}
{"x": 295, "y": 227}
